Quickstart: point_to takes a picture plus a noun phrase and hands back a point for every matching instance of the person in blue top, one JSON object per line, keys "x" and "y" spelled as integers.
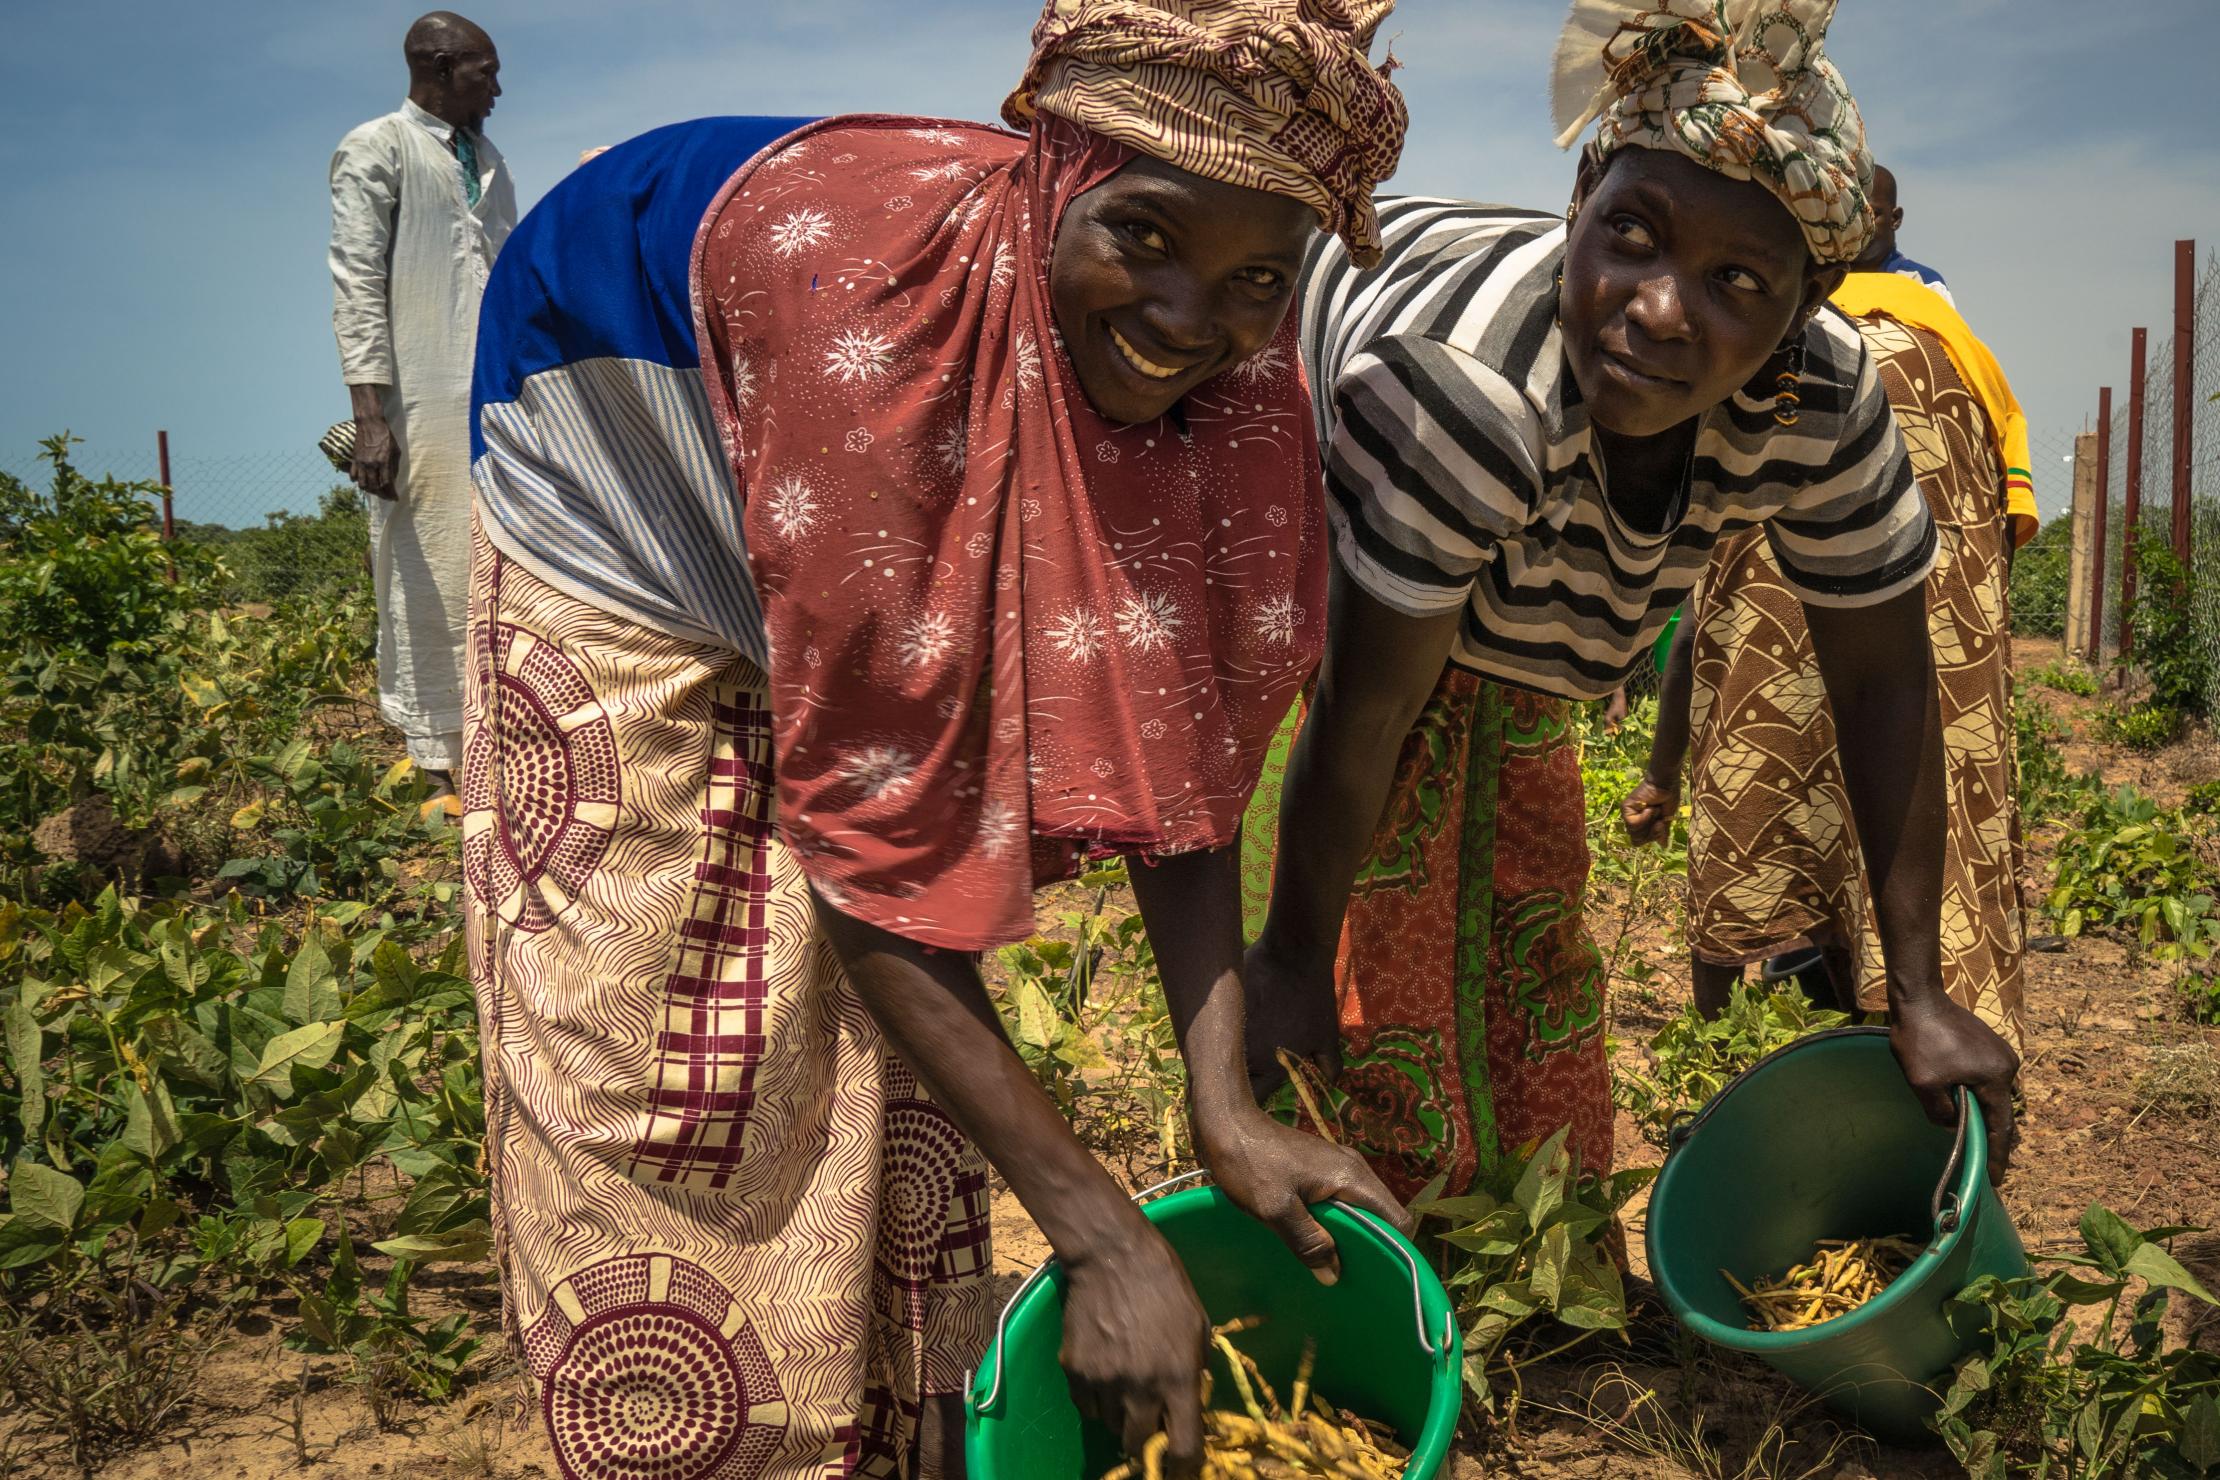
{"x": 1881, "y": 254}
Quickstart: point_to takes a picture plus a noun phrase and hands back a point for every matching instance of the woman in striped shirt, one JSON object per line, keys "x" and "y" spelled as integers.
{"x": 1537, "y": 430}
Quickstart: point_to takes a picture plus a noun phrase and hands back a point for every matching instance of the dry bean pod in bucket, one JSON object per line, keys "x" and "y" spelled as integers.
{"x": 1824, "y": 1140}
{"x": 1387, "y": 1340}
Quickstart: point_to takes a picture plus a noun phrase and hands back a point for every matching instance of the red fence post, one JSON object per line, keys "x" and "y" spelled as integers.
{"x": 2185, "y": 344}
{"x": 169, "y": 521}
{"x": 2104, "y": 510}
{"x": 2131, "y": 514}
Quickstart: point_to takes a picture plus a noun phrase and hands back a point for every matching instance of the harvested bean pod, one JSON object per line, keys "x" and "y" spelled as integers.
{"x": 1841, "y": 1275}
{"x": 1308, "y": 1439}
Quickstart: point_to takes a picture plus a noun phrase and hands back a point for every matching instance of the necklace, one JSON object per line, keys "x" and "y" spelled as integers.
{"x": 1675, "y": 504}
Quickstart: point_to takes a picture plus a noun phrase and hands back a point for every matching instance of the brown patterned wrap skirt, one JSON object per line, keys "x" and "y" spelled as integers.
{"x": 1773, "y": 859}
{"x": 737, "y": 1242}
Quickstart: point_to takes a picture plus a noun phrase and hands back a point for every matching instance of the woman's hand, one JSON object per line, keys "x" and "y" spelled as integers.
{"x": 1941, "y": 1045}
{"x": 1133, "y": 1331}
{"x": 1274, "y": 1172}
{"x": 1648, "y": 812}
{"x": 1288, "y": 1007}
{"x": 1135, "y": 1339}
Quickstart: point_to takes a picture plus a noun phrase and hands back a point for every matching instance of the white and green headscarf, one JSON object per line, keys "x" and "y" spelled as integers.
{"x": 1743, "y": 87}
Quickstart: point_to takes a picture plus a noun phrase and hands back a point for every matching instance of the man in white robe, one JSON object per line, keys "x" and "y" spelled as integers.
{"x": 420, "y": 203}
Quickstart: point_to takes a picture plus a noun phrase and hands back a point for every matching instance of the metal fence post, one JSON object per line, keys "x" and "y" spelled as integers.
{"x": 169, "y": 520}
{"x": 2104, "y": 509}
{"x": 2085, "y": 550}
{"x": 169, "y": 517}
{"x": 2185, "y": 343}
{"x": 2131, "y": 513}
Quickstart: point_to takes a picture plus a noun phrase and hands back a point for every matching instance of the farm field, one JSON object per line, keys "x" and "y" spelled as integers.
{"x": 246, "y": 1231}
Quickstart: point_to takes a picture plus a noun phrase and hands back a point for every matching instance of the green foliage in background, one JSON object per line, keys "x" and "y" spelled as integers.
{"x": 2067, "y": 678}
{"x": 2145, "y": 726}
{"x": 1612, "y": 763}
{"x": 1691, "y": 1058}
{"x": 1085, "y": 1008}
{"x": 2039, "y": 581}
{"x": 127, "y": 693}
{"x": 2169, "y": 648}
{"x": 2047, "y": 788}
{"x": 2135, "y": 867}
{"x": 295, "y": 557}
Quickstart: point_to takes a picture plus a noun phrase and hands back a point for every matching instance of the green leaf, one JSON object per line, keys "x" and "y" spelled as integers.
{"x": 301, "y": 1236}
{"x": 1549, "y": 1266}
{"x": 2160, "y": 1268}
{"x": 2200, "y": 1434}
{"x": 122, "y": 1182}
{"x": 1513, "y": 1299}
{"x": 39, "y": 1194}
{"x": 2077, "y": 1291}
{"x": 1542, "y": 1186}
{"x": 1037, "y": 1020}
{"x": 467, "y": 1245}
{"x": 187, "y": 969}
{"x": 26, "y": 1049}
{"x": 440, "y": 1201}
{"x": 1078, "y": 1050}
{"x": 150, "y": 1121}
{"x": 26, "y": 1241}
{"x": 312, "y": 985}
{"x": 311, "y": 1046}
{"x": 2111, "y": 1242}
{"x": 1458, "y": 1210}
{"x": 2088, "y": 1430}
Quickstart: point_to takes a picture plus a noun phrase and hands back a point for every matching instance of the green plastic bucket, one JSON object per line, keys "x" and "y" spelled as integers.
{"x": 1824, "y": 1139}
{"x": 1387, "y": 1340}
{"x": 1662, "y": 649}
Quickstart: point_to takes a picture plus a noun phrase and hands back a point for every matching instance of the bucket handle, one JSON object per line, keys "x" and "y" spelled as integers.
{"x": 1147, "y": 1195}
{"x": 1946, "y": 1190}
{"x": 1944, "y": 1207}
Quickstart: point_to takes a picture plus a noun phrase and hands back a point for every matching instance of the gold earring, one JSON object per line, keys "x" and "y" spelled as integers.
{"x": 1786, "y": 398}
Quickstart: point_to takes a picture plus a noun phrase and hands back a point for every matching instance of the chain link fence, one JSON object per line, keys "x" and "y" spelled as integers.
{"x": 2156, "y": 517}
{"x": 2041, "y": 570}
{"x": 285, "y": 522}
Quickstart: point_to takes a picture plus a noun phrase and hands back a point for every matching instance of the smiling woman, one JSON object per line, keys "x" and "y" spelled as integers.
{"x": 1537, "y": 429}
{"x": 880, "y": 516}
{"x": 1162, "y": 279}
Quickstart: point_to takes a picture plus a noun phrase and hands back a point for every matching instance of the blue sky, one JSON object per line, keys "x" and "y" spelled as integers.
{"x": 163, "y": 198}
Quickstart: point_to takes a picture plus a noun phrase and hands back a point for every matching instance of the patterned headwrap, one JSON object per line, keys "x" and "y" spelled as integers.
{"x": 1742, "y": 87}
{"x": 1272, "y": 94}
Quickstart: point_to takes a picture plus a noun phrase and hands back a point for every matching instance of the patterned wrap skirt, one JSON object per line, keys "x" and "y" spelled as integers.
{"x": 737, "y": 1241}
{"x": 1773, "y": 858}
{"x": 1472, "y": 998}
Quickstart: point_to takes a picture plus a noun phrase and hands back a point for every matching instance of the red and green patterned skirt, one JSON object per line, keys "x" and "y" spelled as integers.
{"x": 1471, "y": 995}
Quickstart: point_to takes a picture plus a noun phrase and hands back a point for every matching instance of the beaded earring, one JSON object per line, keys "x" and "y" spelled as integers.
{"x": 1786, "y": 398}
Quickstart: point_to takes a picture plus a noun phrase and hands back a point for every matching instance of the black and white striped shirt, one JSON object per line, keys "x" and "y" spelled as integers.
{"x": 1460, "y": 468}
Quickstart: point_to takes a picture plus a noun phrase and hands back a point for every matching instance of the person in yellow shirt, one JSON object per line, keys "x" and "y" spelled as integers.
{"x": 1774, "y": 868}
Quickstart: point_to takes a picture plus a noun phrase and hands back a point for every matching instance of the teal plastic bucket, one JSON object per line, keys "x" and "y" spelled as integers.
{"x": 1824, "y": 1139}
{"x": 1387, "y": 1340}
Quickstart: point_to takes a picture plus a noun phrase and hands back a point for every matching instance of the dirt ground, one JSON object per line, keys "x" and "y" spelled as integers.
{"x": 2098, "y": 1023}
